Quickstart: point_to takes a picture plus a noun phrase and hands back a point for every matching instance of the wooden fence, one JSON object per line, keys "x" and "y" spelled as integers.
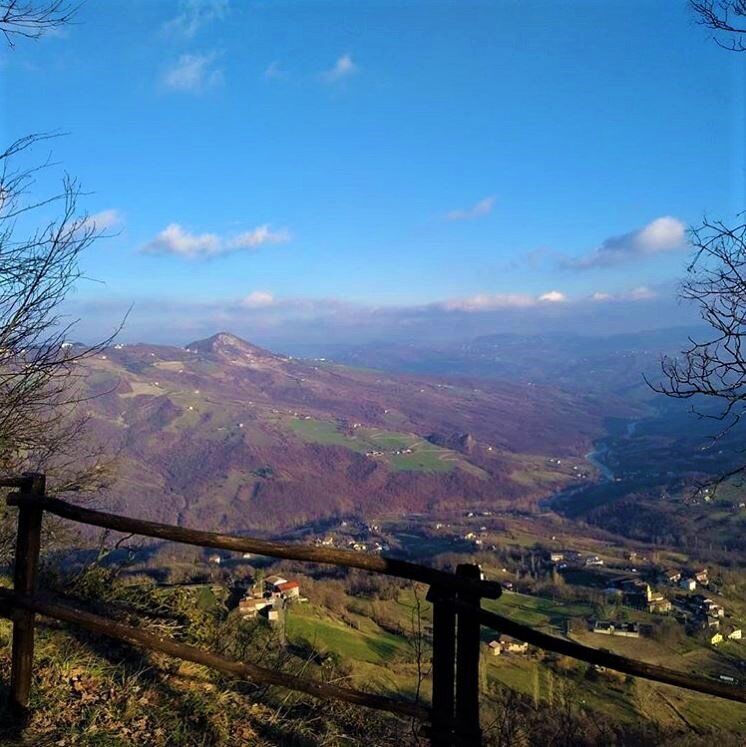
{"x": 453, "y": 717}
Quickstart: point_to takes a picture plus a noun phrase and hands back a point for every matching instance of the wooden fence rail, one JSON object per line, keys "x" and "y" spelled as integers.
{"x": 285, "y": 550}
{"x": 67, "y": 612}
{"x": 457, "y": 617}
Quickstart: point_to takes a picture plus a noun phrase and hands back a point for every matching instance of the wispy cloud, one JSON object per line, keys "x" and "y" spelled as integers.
{"x": 193, "y": 73}
{"x": 488, "y": 302}
{"x": 103, "y": 220}
{"x": 497, "y": 301}
{"x": 641, "y": 293}
{"x": 194, "y": 15}
{"x": 258, "y": 236}
{"x": 662, "y": 235}
{"x": 483, "y": 207}
{"x": 274, "y": 71}
{"x": 344, "y": 67}
{"x": 175, "y": 240}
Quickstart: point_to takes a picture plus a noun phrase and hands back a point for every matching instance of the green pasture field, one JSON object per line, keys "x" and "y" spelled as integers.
{"x": 425, "y": 457}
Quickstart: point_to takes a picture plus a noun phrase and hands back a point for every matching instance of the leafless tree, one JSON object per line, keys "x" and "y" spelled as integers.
{"x": 714, "y": 368}
{"x": 416, "y": 641}
{"x": 712, "y": 371}
{"x": 511, "y": 724}
{"x": 31, "y": 20}
{"x": 42, "y": 234}
{"x": 41, "y": 379}
{"x": 727, "y": 18}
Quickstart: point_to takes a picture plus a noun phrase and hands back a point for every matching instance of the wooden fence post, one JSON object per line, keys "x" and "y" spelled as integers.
{"x": 444, "y": 662}
{"x": 28, "y": 544}
{"x": 468, "y": 730}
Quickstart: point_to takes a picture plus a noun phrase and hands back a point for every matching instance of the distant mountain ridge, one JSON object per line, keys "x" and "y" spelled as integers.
{"x": 590, "y": 363}
{"x": 224, "y": 433}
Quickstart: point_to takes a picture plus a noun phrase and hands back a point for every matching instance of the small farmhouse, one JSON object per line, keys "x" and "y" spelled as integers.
{"x": 701, "y": 576}
{"x": 277, "y": 587}
{"x": 289, "y": 589}
{"x": 512, "y": 645}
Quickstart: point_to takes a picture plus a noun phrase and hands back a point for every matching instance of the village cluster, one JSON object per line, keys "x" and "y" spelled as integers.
{"x": 697, "y": 612}
{"x": 356, "y": 535}
{"x": 269, "y": 598}
{"x": 636, "y": 583}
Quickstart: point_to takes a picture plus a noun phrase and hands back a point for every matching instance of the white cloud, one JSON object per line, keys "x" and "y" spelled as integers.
{"x": 344, "y": 67}
{"x": 258, "y": 236}
{"x": 662, "y": 235}
{"x": 665, "y": 234}
{"x": 600, "y": 296}
{"x": 553, "y": 296}
{"x": 193, "y": 73}
{"x": 483, "y": 207}
{"x": 175, "y": 240}
{"x": 193, "y": 15}
{"x": 258, "y": 300}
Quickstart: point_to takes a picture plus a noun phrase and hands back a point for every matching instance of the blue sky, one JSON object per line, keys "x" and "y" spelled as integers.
{"x": 347, "y": 167}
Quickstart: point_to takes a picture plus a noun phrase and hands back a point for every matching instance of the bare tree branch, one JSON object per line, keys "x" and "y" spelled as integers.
{"x": 712, "y": 371}
{"x": 41, "y": 377}
{"x": 727, "y": 18}
{"x": 31, "y": 19}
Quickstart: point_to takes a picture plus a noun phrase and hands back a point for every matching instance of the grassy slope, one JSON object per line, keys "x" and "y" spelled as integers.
{"x": 425, "y": 457}
{"x": 325, "y": 634}
{"x": 371, "y": 652}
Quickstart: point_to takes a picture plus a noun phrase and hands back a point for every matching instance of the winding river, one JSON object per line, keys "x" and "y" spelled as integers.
{"x": 596, "y": 457}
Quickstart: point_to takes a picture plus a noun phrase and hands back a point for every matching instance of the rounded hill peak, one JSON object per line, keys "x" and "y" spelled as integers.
{"x": 230, "y": 346}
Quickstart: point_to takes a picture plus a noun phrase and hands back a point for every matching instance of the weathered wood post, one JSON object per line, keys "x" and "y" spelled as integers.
{"x": 468, "y": 731}
{"x": 28, "y": 543}
{"x": 444, "y": 671}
